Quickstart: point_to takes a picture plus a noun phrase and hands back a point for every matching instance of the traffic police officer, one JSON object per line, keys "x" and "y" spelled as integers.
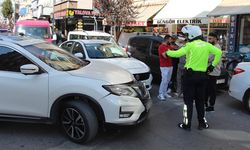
{"x": 197, "y": 52}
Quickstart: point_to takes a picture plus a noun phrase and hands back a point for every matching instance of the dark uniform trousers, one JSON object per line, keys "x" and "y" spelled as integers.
{"x": 210, "y": 95}
{"x": 194, "y": 84}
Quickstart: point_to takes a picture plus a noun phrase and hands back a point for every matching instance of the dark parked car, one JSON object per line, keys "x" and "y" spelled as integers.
{"x": 5, "y": 30}
{"x": 145, "y": 48}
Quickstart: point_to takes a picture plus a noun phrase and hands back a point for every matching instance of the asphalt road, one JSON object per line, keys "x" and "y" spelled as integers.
{"x": 230, "y": 130}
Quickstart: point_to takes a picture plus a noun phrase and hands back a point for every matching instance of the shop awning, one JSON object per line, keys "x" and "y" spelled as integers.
{"x": 186, "y": 12}
{"x": 231, "y": 7}
{"x": 144, "y": 14}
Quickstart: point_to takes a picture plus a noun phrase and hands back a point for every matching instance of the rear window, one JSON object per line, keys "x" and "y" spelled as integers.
{"x": 76, "y": 36}
{"x": 106, "y": 38}
{"x": 105, "y": 50}
{"x": 141, "y": 44}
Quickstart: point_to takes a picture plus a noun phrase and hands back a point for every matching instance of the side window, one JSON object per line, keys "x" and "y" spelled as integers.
{"x": 11, "y": 60}
{"x": 78, "y": 49}
{"x": 141, "y": 44}
{"x": 67, "y": 46}
{"x": 155, "y": 46}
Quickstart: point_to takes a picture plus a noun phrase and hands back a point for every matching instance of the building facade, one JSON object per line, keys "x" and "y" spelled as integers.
{"x": 24, "y": 9}
{"x": 42, "y": 9}
{"x": 76, "y": 15}
{"x": 239, "y": 33}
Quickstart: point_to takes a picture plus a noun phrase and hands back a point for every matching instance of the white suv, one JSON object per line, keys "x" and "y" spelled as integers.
{"x": 42, "y": 83}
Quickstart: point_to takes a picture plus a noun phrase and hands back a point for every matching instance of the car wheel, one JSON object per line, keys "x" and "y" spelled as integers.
{"x": 247, "y": 101}
{"x": 79, "y": 122}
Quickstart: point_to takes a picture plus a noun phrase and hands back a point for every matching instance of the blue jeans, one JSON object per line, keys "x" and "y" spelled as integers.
{"x": 166, "y": 73}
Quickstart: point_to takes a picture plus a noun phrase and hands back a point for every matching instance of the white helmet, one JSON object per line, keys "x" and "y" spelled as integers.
{"x": 192, "y": 31}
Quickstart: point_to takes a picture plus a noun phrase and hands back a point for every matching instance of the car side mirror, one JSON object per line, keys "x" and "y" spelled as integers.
{"x": 79, "y": 55}
{"x": 29, "y": 69}
{"x": 21, "y": 34}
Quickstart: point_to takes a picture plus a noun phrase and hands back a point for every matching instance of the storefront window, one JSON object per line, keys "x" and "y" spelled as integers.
{"x": 244, "y": 31}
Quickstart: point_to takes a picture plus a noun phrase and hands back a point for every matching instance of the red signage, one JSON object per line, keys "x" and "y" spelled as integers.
{"x": 136, "y": 23}
{"x": 220, "y": 20}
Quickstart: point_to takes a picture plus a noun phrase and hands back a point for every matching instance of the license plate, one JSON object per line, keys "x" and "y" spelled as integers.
{"x": 220, "y": 81}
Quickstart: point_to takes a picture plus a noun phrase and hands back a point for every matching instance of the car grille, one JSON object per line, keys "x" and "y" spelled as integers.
{"x": 142, "y": 92}
{"x": 142, "y": 76}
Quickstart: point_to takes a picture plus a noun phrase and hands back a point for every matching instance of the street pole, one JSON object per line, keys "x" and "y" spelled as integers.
{"x": 14, "y": 19}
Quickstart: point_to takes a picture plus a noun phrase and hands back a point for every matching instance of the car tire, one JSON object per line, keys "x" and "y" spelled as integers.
{"x": 247, "y": 101}
{"x": 78, "y": 121}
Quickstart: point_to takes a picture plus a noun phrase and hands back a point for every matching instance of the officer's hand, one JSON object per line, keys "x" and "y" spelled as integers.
{"x": 210, "y": 69}
{"x": 164, "y": 55}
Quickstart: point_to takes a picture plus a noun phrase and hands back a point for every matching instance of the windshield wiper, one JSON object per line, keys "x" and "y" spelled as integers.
{"x": 118, "y": 56}
{"x": 70, "y": 69}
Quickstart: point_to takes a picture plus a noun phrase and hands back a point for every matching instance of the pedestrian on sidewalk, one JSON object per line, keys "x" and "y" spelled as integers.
{"x": 165, "y": 67}
{"x": 210, "y": 95}
{"x": 194, "y": 81}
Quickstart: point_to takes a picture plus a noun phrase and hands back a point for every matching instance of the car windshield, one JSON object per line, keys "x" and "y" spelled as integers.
{"x": 55, "y": 57}
{"x": 41, "y": 32}
{"x": 105, "y": 50}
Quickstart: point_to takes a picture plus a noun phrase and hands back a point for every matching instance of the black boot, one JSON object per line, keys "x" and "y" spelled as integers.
{"x": 202, "y": 126}
{"x": 210, "y": 108}
{"x": 184, "y": 127}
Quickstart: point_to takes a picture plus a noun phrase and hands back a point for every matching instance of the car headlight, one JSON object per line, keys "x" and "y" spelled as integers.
{"x": 121, "y": 90}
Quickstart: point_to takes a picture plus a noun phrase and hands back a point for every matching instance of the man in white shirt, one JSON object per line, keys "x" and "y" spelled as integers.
{"x": 210, "y": 96}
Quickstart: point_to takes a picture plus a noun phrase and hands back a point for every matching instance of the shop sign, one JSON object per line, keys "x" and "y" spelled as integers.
{"x": 220, "y": 20}
{"x": 136, "y": 23}
{"x": 87, "y": 13}
{"x": 72, "y": 13}
{"x": 129, "y": 23}
{"x": 232, "y": 33}
{"x": 244, "y": 49}
{"x": 181, "y": 21}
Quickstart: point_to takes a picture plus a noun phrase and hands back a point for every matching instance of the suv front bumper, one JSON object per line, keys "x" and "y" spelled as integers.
{"x": 114, "y": 105}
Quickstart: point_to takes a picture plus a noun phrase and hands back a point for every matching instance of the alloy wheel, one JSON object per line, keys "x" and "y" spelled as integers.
{"x": 73, "y": 123}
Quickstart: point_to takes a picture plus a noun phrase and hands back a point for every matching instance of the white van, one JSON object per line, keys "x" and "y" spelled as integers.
{"x": 90, "y": 35}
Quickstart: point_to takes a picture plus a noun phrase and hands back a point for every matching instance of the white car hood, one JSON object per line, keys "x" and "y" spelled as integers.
{"x": 133, "y": 65}
{"x": 104, "y": 71}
